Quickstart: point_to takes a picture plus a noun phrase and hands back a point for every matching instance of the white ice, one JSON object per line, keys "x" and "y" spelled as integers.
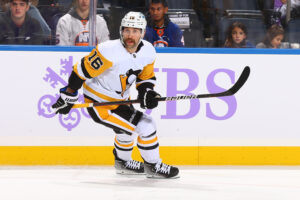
{"x": 101, "y": 183}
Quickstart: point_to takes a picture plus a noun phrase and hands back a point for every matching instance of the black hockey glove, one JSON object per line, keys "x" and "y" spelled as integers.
{"x": 65, "y": 102}
{"x": 148, "y": 99}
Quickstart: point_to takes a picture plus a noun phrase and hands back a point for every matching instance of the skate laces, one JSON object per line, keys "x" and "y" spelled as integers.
{"x": 163, "y": 168}
{"x": 132, "y": 164}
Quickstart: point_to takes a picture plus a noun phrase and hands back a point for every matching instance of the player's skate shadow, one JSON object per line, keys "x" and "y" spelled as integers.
{"x": 148, "y": 183}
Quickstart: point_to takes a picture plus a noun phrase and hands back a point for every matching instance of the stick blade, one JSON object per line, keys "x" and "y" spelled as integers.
{"x": 241, "y": 81}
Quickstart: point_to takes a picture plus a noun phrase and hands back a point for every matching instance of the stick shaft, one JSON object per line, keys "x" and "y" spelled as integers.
{"x": 239, "y": 83}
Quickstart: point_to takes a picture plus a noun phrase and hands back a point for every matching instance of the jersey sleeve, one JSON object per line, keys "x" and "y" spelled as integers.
{"x": 147, "y": 76}
{"x": 92, "y": 65}
{"x": 146, "y": 79}
{"x": 62, "y": 33}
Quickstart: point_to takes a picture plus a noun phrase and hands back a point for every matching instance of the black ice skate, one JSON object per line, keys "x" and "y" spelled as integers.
{"x": 161, "y": 170}
{"x": 129, "y": 167}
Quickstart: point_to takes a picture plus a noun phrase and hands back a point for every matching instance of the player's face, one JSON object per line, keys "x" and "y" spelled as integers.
{"x": 157, "y": 11}
{"x": 276, "y": 41}
{"x": 238, "y": 35}
{"x": 131, "y": 37}
{"x": 18, "y": 9}
{"x": 83, "y": 5}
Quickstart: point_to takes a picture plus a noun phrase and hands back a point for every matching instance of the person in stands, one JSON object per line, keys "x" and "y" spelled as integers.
{"x": 273, "y": 38}
{"x": 17, "y": 27}
{"x": 73, "y": 28}
{"x": 236, "y": 36}
{"x": 161, "y": 32}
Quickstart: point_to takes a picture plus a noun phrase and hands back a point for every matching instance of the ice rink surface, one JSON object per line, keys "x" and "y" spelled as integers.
{"x": 101, "y": 183}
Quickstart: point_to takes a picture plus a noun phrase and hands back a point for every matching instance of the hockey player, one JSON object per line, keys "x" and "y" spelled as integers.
{"x": 106, "y": 75}
{"x": 73, "y": 28}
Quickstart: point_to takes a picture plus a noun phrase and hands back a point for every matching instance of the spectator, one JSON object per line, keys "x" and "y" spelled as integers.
{"x": 73, "y": 27}
{"x": 35, "y": 13}
{"x": 32, "y": 12}
{"x": 161, "y": 32}
{"x": 273, "y": 38}
{"x": 236, "y": 36}
{"x": 17, "y": 27}
{"x": 282, "y": 8}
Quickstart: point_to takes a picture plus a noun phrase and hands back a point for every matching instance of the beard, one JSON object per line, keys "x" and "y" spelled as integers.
{"x": 132, "y": 43}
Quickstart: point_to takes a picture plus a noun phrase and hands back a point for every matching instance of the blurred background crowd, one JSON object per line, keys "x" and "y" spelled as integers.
{"x": 170, "y": 23}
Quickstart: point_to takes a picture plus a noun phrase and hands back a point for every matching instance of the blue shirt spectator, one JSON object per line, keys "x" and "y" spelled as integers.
{"x": 160, "y": 31}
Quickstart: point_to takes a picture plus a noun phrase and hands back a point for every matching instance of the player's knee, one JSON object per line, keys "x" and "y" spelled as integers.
{"x": 146, "y": 126}
{"x": 124, "y": 137}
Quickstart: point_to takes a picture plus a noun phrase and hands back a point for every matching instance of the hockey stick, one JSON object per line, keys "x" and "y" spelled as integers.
{"x": 239, "y": 83}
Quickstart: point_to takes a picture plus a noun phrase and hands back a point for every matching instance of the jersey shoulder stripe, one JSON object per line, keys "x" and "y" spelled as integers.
{"x": 147, "y": 73}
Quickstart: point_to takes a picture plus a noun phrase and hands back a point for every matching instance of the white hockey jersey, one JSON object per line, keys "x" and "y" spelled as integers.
{"x": 105, "y": 70}
{"x": 71, "y": 30}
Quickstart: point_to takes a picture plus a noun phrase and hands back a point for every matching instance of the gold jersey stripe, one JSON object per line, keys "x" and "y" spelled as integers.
{"x": 148, "y": 72}
{"x": 108, "y": 118}
{"x": 123, "y": 145}
{"x": 103, "y": 63}
{"x": 100, "y": 95}
{"x": 140, "y": 141}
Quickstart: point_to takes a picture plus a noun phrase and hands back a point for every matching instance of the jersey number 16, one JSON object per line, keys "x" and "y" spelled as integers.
{"x": 95, "y": 61}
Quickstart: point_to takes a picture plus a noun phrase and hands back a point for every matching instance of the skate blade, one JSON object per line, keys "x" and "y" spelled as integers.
{"x": 125, "y": 172}
{"x": 161, "y": 177}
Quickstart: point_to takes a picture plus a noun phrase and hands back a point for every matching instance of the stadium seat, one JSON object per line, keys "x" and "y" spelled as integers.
{"x": 66, "y": 4}
{"x": 189, "y": 23}
{"x": 266, "y": 4}
{"x": 179, "y": 4}
{"x": 176, "y": 4}
{"x": 105, "y": 13}
{"x": 128, "y": 4}
{"x": 235, "y": 4}
{"x": 255, "y": 25}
